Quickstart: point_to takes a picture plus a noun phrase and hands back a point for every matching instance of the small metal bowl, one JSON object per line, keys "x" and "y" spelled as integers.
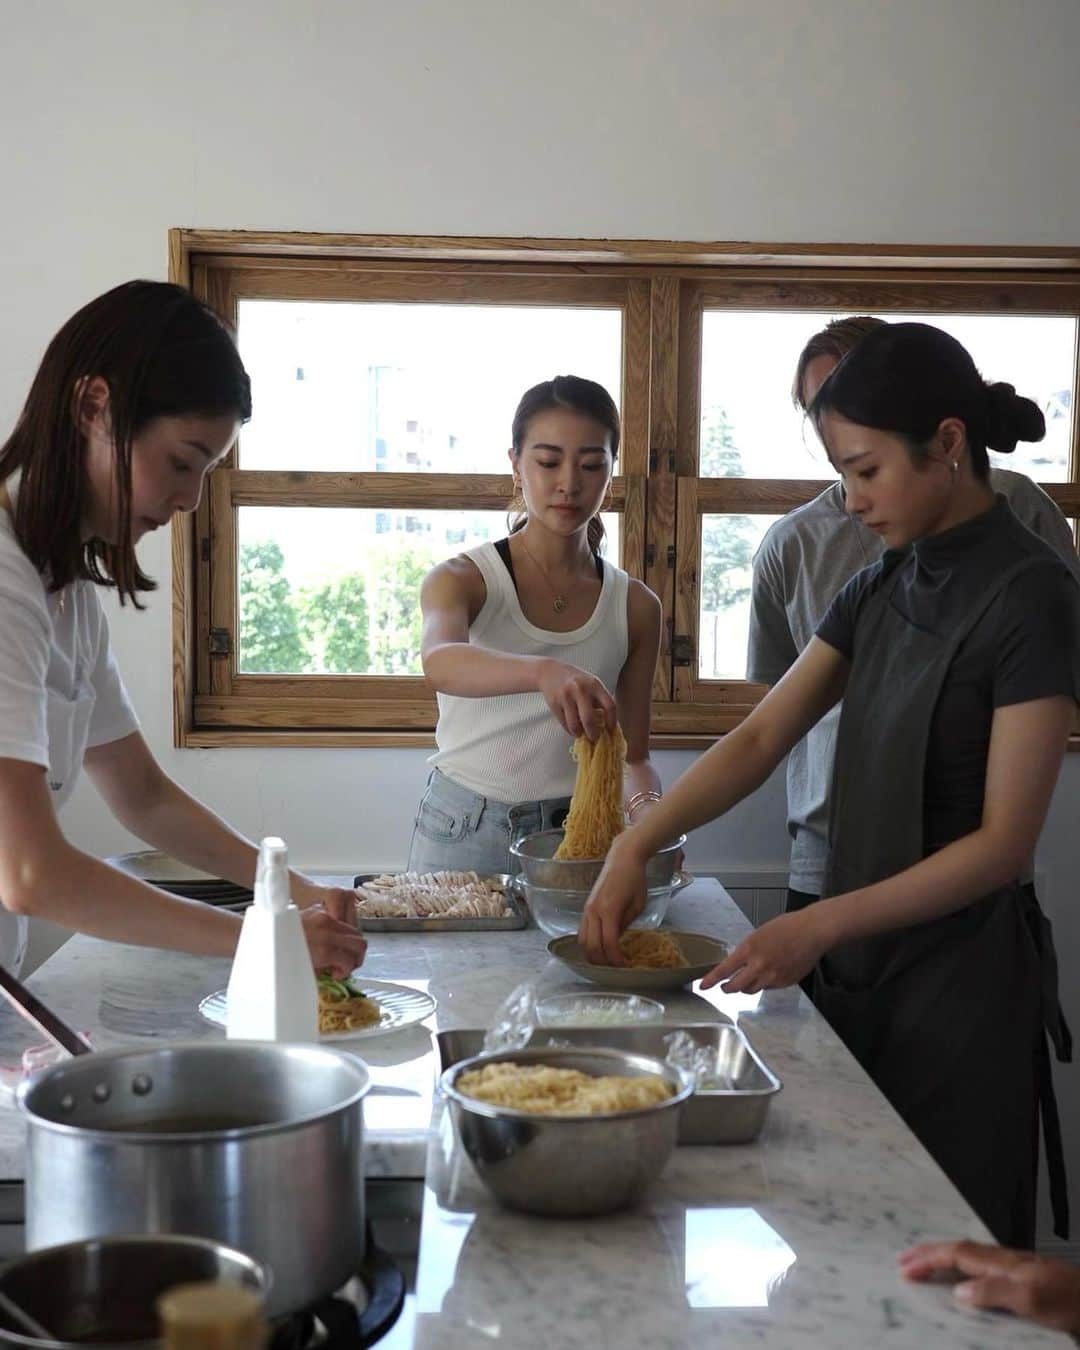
{"x": 104, "y": 1290}
{"x": 568, "y": 1165}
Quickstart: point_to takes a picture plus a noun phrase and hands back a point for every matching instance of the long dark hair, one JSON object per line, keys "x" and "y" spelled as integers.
{"x": 581, "y": 396}
{"x": 907, "y": 378}
{"x": 162, "y": 353}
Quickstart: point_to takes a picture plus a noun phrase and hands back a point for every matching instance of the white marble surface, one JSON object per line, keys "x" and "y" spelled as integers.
{"x": 789, "y": 1242}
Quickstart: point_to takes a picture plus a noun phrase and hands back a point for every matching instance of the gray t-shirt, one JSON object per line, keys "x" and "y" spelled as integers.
{"x": 803, "y": 561}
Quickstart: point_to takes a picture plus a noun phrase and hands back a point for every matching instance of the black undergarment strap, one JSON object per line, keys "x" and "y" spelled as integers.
{"x": 502, "y": 548}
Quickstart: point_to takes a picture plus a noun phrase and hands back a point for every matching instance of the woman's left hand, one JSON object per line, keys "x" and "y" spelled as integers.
{"x": 776, "y": 955}
{"x": 338, "y": 901}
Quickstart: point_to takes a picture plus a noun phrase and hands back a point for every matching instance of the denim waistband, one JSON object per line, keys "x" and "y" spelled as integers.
{"x": 550, "y": 810}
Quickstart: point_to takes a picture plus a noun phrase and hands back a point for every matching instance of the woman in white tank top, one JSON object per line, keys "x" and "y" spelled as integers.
{"x": 532, "y": 642}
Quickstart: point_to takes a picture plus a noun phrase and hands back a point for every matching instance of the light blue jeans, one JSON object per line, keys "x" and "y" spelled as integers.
{"x": 461, "y": 831}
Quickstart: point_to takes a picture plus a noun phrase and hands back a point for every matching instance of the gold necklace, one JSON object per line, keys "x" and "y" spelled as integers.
{"x": 558, "y": 603}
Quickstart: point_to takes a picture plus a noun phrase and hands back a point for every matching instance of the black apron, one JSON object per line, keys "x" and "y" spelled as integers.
{"x": 950, "y": 1017}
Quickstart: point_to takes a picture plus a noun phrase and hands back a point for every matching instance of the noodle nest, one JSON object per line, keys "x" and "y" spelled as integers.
{"x": 596, "y": 812}
{"x": 646, "y": 949}
{"x": 541, "y": 1090}
{"x": 343, "y": 1007}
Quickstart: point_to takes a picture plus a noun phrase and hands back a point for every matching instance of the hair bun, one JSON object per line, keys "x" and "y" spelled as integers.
{"x": 1010, "y": 418}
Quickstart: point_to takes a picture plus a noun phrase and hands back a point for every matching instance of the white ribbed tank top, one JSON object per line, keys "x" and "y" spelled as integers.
{"x": 510, "y": 747}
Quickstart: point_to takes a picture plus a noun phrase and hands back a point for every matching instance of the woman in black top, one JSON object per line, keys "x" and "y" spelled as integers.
{"x": 956, "y": 657}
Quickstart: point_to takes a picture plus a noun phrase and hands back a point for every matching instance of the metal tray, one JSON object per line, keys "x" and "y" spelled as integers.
{"x": 733, "y": 1114}
{"x": 519, "y": 918}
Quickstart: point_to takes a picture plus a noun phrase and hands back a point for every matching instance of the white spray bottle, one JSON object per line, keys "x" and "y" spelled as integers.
{"x": 272, "y": 993}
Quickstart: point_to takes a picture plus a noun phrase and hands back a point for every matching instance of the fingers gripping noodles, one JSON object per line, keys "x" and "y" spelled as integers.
{"x": 596, "y": 809}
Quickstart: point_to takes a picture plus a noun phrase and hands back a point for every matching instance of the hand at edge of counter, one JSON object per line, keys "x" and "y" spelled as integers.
{"x": 1042, "y": 1288}
{"x": 616, "y": 899}
{"x": 774, "y": 956}
{"x": 334, "y": 946}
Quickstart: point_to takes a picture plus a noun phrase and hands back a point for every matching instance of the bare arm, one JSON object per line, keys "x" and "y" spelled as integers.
{"x": 42, "y": 874}
{"x": 156, "y": 808}
{"x": 450, "y": 599}
{"x": 733, "y": 768}
{"x": 633, "y": 693}
{"x": 1027, "y": 745}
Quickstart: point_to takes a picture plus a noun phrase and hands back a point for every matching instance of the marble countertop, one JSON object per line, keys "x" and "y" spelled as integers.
{"x": 787, "y": 1242}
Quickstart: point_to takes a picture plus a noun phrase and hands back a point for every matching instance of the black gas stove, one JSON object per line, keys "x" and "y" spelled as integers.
{"x": 360, "y": 1314}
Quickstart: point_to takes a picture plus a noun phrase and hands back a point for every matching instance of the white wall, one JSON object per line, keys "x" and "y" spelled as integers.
{"x": 915, "y": 121}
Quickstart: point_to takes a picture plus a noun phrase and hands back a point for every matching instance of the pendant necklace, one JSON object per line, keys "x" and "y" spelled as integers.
{"x": 558, "y": 603}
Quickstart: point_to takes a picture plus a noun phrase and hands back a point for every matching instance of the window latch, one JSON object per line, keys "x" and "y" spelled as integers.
{"x": 220, "y": 642}
{"x": 682, "y": 650}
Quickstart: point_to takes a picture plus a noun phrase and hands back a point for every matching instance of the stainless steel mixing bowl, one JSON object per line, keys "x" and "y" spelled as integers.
{"x": 568, "y": 1165}
{"x": 104, "y": 1290}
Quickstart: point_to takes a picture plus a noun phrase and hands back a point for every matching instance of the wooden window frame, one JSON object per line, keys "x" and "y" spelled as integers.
{"x": 663, "y": 290}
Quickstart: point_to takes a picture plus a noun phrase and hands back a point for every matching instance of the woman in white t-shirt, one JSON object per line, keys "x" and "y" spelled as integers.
{"x": 532, "y": 641}
{"x": 137, "y": 398}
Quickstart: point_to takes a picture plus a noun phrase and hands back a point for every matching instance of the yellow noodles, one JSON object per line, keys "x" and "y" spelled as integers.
{"x": 647, "y": 950}
{"x": 596, "y": 808}
{"x": 545, "y": 1091}
{"x": 345, "y": 1014}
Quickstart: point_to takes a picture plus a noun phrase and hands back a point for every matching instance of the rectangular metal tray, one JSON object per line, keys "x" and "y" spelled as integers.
{"x": 514, "y": 899}
{"x": 733, "y": 1114}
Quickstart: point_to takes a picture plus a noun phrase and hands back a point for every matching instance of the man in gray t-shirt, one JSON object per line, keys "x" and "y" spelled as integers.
{"x": 803, "y": 561}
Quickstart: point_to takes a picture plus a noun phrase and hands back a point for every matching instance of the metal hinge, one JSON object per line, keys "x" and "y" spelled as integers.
{"x": 220, "y": 642}
{"x": 204, "y": 548}
{"x": 682, "y": 650}
{"x": 671, "y": 555}
{"x": 654, "y": 460}
{"x": 650, "y": 554}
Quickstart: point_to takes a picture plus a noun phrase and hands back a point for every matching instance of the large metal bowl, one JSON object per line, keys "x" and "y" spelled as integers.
{"x": 104, "y": 1290}
{"x": 568, "y": 1165}
{"x": 535, "y": 853}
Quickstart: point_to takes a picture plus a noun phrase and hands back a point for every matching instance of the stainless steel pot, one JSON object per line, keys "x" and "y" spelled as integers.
{"x": 253, "y": 1144}
{"x": 105, "y": 1290}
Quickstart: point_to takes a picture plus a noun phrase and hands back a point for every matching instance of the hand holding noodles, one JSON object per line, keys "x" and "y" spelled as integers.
{"x": 596, "y": 809}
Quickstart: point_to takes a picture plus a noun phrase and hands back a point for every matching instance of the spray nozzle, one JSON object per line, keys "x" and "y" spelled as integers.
{"x": 272, "y": 876}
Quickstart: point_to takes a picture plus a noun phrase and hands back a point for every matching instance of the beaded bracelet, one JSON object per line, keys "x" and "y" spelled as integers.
{"x": 639, "y": 799}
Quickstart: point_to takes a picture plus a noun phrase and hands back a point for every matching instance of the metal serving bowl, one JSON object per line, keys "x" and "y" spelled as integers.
{"x": 568, "y": 1165}
{"x": 104, "y": 1290}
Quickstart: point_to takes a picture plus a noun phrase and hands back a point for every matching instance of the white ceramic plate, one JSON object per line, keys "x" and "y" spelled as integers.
{"x": 400, "y": 1007}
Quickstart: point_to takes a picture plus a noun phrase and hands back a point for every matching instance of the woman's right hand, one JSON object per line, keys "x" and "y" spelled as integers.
{"x": 334, "y": 946}
{"x": 616, "y": 900}
{"x": 579, "y": 700}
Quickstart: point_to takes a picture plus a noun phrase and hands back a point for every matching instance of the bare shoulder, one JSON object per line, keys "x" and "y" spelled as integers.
{"x": 457, "y": 581}
{"x": 643, "y": 609}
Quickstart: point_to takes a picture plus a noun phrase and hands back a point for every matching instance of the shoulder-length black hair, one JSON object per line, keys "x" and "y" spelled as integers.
{"x": 578, "y": 395}
{"x": 907, "y": 378}
{"x": 162, "y": 353}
